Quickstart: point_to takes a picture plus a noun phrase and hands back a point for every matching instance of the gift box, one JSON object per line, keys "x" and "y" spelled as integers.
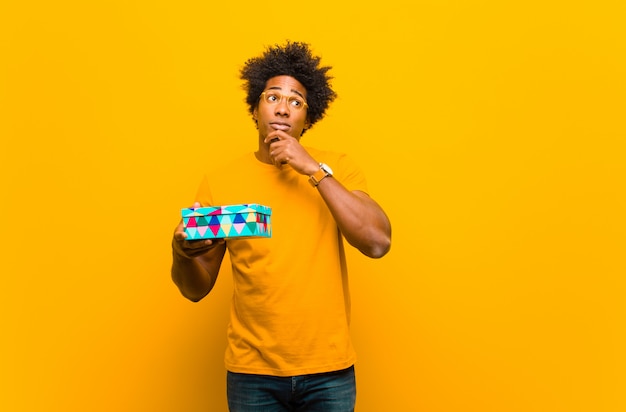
{"x": 243, "y": 220}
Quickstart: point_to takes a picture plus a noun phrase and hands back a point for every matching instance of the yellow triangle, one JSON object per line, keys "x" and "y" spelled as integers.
{"x": 226, "y": 228}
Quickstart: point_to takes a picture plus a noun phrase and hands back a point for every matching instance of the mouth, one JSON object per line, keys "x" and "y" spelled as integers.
{"x": 280, "y": 126}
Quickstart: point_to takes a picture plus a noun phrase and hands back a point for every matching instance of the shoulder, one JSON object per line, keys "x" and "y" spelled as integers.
{"x": 336, "y": 160}
{"x": 344, "y": 167}
{"x": 328, "y": 156}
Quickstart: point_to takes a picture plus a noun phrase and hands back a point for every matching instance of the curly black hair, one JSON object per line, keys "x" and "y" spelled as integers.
{"x": 292, "y": 59}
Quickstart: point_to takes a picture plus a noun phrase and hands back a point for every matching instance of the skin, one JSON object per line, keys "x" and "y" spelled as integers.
{"x": 362, "y": 222}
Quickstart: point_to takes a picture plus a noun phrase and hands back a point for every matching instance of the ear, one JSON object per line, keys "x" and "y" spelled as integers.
{"x": 255, "y": 118}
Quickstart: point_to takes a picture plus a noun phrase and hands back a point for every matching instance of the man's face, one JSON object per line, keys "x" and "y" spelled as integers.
{"x": 281, "y": 107}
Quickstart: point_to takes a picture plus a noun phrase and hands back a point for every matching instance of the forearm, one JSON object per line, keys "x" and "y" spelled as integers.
{"x": 196, "y": 276}
{"x": 360, "y": 219}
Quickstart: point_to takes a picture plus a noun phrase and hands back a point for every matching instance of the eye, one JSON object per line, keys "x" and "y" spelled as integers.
{"x": 272, "y": 97}
{"x": 296, "y": 102}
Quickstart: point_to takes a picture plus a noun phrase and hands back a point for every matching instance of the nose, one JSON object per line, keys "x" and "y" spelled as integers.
{"x": 282, "y": 108}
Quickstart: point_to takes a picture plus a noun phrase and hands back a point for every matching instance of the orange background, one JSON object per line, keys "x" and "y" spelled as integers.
{"x": 492, "y": 132}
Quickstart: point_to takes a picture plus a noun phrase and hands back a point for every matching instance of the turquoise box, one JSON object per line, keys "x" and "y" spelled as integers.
{"x": 213, "y": 222}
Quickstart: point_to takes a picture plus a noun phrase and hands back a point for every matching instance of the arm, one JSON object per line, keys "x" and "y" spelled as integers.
{"x": 195, "y": 264}
{"x": 360, "y": 219}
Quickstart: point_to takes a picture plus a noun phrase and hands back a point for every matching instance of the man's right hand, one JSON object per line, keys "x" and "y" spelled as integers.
{"x": 192, "y": 248}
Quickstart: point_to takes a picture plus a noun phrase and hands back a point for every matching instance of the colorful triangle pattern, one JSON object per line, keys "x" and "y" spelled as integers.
{"x": 212, "y": 222}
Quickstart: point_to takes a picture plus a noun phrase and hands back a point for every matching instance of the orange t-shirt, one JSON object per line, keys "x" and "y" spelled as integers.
{"x": 290, "y": 311}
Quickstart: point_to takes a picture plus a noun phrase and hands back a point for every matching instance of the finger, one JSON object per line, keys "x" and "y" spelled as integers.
{"x": 192, "y": 253}
{"x": 179, "y": 233}
{"x": 272, "y": 138}
{"x": 191, "y": 250}
{"x": 276, "y": 161}
{"x": 195, "y": 248}
{"x": 204, "y": 243}
{"x": 197, "y": 244}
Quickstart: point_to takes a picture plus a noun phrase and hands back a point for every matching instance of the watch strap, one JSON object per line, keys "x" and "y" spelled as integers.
{"x": 318, "y": 176}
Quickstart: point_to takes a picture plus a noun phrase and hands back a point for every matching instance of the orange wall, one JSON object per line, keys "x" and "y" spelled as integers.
{"x": 493, "y": 134}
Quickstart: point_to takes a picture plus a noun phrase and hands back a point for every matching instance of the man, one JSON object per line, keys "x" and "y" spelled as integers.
{"x": 289, "y": 347}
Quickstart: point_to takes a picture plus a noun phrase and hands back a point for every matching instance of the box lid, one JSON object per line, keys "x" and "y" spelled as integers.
{"x": 226, "y": 210}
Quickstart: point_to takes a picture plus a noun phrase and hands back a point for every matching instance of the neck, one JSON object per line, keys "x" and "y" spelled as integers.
{"x": 263, "y": 154}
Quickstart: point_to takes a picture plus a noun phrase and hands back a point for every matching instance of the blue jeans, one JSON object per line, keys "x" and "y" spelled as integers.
{"x": 323, "y": 392}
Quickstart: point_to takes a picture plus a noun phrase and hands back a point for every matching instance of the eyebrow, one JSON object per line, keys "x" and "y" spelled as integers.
{"x": 281, "y": 89}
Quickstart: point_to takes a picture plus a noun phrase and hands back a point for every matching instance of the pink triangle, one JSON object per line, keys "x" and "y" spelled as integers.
{"x": 192, "y": 222}
{"x": 215, "y": 229}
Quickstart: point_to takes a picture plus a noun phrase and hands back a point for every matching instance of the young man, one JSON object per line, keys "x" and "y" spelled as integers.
{"x": 289, "y": 346}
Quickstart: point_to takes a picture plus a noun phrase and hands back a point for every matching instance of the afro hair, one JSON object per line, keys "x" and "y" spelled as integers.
{"x": 292, "y": 59}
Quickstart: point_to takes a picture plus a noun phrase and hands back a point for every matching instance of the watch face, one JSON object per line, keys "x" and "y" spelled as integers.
{"x": 326, "y": 168}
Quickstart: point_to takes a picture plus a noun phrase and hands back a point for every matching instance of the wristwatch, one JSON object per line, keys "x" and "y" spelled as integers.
{"x": 324, "y": 172}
